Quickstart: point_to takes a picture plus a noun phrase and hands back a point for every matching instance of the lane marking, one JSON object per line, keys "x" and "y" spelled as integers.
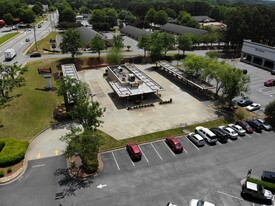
{"x": 38, "y": 155}
{"x": 115, "y": 161}
{"x": 41, "y": 165}
{"x": 112, "y": 151}
{"x": 56, "y": 152}
{"x": 192, "y": 143}
{"x": 185, "y": 150}
{"x": 156, "y": 150}
{"x": 143, "y": 154}
{"x": 229, "y": 195}
{"x": 168, "y": 148}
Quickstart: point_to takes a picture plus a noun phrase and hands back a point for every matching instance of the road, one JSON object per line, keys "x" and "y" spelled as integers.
{"x": 20, "y": 45}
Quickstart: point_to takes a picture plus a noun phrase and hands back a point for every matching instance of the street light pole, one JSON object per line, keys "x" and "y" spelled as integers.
{"x": 35, "y": 37}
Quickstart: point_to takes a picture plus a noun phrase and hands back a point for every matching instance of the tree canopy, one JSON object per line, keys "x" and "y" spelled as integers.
{"x": 97, "y": 44}
{"x": 71, "y": 42}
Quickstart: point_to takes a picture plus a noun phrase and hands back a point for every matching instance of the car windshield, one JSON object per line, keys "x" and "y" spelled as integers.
{"x": 200, "y": 203}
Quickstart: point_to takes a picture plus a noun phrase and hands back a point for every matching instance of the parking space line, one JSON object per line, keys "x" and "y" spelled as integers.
{"x": 150, "y": 142}
{"x": 229, "y": 195}
{"x": 185, "y": 150}
{"x": 156, "y": 150}
{"x": 168, "y": 148}
{"x": 219, "y": 143}
{"x": 193, "y": 144}
{"x": 114, "y": 150}
{"x": 229, "y": 140}
{"x": 257, "y": 133}
{"x": 115, "y": 161}
{"x": 143, "y": 154}
{"x": 240, "y": 138}
{"x": 248, "y": 135}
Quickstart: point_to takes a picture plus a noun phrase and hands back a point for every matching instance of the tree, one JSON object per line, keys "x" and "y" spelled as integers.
{"x": 8, "y": 18}
{"x": 71, "y": 42}
{"x": 67, "y": 15}
{"x": 156, "y": 46}
{"x": 150, "y": 15}
{"x": 184, "y": 17}
{"x": 26, "y": 15}
{"x": 97, "y": 44}
{"x": 117, "y": 42}
{"x": 161, "y": 17}
{"x": 37, "y": 9}
{"x": 171, "y": 13}
{"x": 98, "y": 19}
{"x": 114, "y": 56}
{"x": 193, "y": 65}
{"x": 270, "y": 110}
{"x": 84, "y": 10}
{"x": 185, "y": 42}
{"x": 168, "y": 41}
{"x": 144, "y": 43}
{"x": 111, "y": 17}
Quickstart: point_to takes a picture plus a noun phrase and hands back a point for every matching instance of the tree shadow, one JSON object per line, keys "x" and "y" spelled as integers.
{"x": 70, "y": 183}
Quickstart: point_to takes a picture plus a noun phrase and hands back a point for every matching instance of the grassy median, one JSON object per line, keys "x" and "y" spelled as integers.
{"x": 6, "y": 37}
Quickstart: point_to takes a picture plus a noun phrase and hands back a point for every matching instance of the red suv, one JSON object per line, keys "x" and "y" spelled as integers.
{"x": 174, "y": 144}
{"x": 133, "y": 151}
{"x": 269, "y": 83}
{"x": 245, "y": 126}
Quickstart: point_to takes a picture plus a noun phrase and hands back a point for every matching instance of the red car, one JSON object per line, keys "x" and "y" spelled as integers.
{"x": 133, "y": 151}
{"x": 174, "y": 144}
{"x": 245, "y": 126}
{"x": 269, "y": 83}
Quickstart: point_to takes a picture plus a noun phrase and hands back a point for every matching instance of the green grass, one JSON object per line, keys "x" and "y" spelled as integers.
{"x": 30, "y": 109}
{"x": 43, "y": 43}
{"x": 6, "y": 37}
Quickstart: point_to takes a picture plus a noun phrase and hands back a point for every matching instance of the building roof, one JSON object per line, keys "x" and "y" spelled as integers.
{"x": 87, "y": 33}
{"x": 178, "y": 29}
{"x": 134, "y": 32}
{"x": 69, "y": 70}
{"x": 202, "y": 18}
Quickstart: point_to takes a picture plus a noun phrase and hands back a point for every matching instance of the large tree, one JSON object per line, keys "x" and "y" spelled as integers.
{"x": 144, "y": 43}
{"x": 161, "y": 17}
{"x": 168, "y": 41}
{"x": 150, "y": 15}
{"x": 114, "y": 56}
{"x": 270, "y": 110}
{"x": 8, "y": 18}
{"x": 117, "y": 42}
{"x": 185, "y": 42}
{"x": 71, "y": 42}
{"x": 67, "y": 15}
{"x": 97, "y": 44}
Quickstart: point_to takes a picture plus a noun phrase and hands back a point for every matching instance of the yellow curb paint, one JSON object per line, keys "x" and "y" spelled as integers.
{"x": 38, "y": 155}
{"x": 56, "y": 152}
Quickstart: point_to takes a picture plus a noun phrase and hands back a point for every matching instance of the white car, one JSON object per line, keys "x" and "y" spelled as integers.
{"x": 195, "y": 202}
{"x": 253, "y": 107}
{"x": 266, "y": 126}
{"x": 171, "y": 204}
{"x": 230, "y": 131}
{"x": 238, "y": 129}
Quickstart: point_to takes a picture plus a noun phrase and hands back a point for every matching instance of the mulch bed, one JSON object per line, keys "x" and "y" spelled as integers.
{"x": 14, "y": 168}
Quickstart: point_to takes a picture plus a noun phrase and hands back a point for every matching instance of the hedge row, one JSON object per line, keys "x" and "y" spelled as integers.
{"x": 12, "y": 152}
{"x": 266, "y": 185}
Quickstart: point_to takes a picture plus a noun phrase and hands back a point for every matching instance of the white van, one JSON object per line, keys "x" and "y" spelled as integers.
{"x": 208, "y": 135}
{"x": 9, "y": 54}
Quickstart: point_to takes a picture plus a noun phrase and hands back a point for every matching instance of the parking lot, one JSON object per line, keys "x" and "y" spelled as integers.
{"x": 157, "y": 153}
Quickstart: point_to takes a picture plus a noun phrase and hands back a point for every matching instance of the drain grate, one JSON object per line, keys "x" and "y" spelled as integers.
{"x": 59, "y": 195}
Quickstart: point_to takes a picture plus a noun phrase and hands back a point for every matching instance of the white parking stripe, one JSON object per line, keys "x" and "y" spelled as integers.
{"x": 185, "y": 150}
{"x": 168, "y": 148}
{"x": 257, "y": 133}
{"x": 229, "y": 140}
{"x": 219, "y": 143}
{"x": 131, "y": 159}
{"x": 143, "y": 154}
{"x": 193, "y": 144}
{"x": 156, "y": 150}
{"x": 229, "y": 195}
{"x": 114, "y": 150}
{"x": 269, "y": 92}
{"x": 248, "y": 135}
{"x": 115, "y": 161}
{"x": 240, "y": 138}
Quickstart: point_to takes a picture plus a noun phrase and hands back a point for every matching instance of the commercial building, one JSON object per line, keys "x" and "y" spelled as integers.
{"x": 133, "y": 32}
{"x": 128, "y": 81}
{"x": 178, "y": 29}
{"x": 259, "y": 55}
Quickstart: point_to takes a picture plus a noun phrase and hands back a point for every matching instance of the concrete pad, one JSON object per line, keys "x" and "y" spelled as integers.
{"x": 121, "y": 123}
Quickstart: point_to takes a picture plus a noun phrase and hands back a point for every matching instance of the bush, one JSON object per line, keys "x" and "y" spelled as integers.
{"x": 9, "y": 170}
{"x": 266, "y": 185}
{"x": 2, "y": 173}
{"x": 270, "y": 110}
{"x": 13, "y": 152}
{"x": 90, "y": 164}
{"x": 2, "y": 144}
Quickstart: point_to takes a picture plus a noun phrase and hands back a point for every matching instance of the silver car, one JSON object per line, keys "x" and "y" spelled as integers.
{"x": 233, "y": 135}
{"x": 265, "y": 125}
{"x": 196, "y": 139}
{"x": 237, "y": 129}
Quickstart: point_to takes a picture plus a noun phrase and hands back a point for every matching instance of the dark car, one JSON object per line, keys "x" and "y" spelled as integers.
{"x": 256, "y": 126}
{"x": 39, "y": 26}
{"x": 273, "y": 71}
{"x": 265, "y": 125}
{"x": 268, "y": 176}
{"x": 244, "y": 102}
{"x": 133, "y": 151}
{"x": 174, "y": 144}
{"x": 245, "y": 126}
{"x": 269, "y": 83}
{"x": 222, "y": 136}
{"x": 35, "y": 54}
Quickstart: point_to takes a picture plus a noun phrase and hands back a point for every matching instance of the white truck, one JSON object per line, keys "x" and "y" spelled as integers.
{"x": 9, "y": 54}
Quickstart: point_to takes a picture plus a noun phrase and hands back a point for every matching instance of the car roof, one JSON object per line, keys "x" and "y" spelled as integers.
{"x": 134, "y": 146}
{"x": 251, "y": 186}
{"x": 198, "y": 137}
{"x": 174, "y": 139}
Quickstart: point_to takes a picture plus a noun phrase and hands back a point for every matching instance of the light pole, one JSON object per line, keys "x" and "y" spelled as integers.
{"x": 35, "y": 37}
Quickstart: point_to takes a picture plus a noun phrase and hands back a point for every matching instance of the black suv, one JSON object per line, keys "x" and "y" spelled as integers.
{"x": 268, "y": 176}
{"x": 222, "y": 136}
{"x": 257, "y": 126}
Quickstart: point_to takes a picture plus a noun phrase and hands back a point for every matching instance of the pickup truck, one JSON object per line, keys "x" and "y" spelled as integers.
{"x": 268, "y": 176}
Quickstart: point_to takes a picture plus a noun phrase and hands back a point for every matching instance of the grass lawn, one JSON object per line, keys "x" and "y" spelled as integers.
{"x": 30, "y": 109}
{"x": 43, "y": 43}
{"x": 6, "y": 37}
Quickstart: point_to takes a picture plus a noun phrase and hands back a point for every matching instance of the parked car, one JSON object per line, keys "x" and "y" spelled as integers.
{"x": 233, "y": 135}
{"x": 244, "y": 102}
{"x": 238, "y": 129}
{"x": 196, "y": 139}
{"x": 171, "y": 204}
{"x": 273, "y": 72}
{"x": 195, "y": 202}
{"x": 27, "y": 39}
{"x": 268, "y": 176}
{"x": 39, "y": 26}
{"x": 253, "y": 107}
{"x": 269, "y": 83}
{"x": 35, "y": 54}
{"x": 222, "y": 136}
{"x": 257, "y": 191}
{"x": 208, "y": 136}
{"x": 265, "y": 125}
{"x": 245, "y": 126}
{"x": 256, "y": 126}
{"x": 134, "y": 151}
{"x": 174, "y": 144}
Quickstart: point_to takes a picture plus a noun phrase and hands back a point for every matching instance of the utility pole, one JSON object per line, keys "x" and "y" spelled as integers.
{"x": 35, "y": 37}
{"x": 51, "y": 21}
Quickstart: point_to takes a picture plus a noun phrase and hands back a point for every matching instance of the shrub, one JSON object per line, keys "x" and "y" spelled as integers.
{"x": 13, "y": 152}
{"x": 2, "y": 173}
{"x": 90, "y": 164}
{"x": 266, "y": 185}
{"x": 270, "y": 110}
{"x": 9, "y": 170}
{"x": 2, "y": 144}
